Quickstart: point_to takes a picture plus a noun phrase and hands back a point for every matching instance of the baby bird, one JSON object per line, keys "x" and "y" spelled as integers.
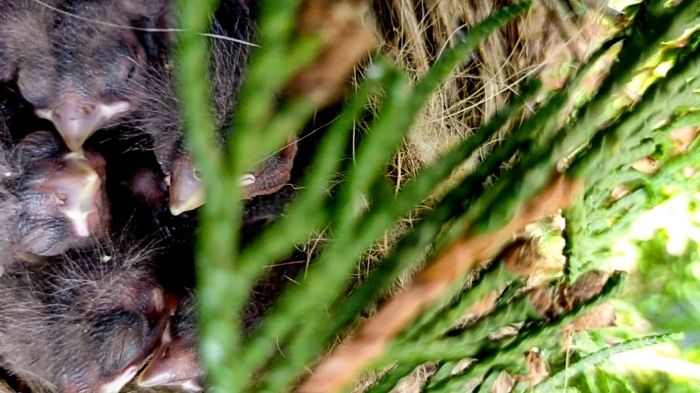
{"x": 187, "y": 189}
{"x": 51, "y": 200}
{"x": 160, "y": 115}
{"x": 81, "y": 322}
{"x": 79, "y": 63}
{"x": 176, "y": 363}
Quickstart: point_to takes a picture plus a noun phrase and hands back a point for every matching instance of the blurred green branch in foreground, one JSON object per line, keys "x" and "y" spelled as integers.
{"x": 594, "y": 141}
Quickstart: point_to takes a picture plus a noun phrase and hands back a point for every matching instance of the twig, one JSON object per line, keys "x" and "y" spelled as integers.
{"x": 348, "y": 360}
{"x": 346, "y": 42}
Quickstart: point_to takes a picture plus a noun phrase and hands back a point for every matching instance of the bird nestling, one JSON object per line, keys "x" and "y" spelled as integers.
{"x": 176, "y": 363}
{"x": 88, "y": 65}
{"x": 79, "y": 63}
{"x": 160, "y": 112}
{"x": 51, "y": 199}
{"x": 80, "y": 322}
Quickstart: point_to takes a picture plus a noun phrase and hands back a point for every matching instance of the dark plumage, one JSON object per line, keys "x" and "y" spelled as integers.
{"x": 176, "y": 363}
{"x": 84, "y": 315}
{"x": 79, "y": 63}
{"x": 50, "y": 199}
{"x": 82, "y": 322}
{"x": 86, "y": 65}
{"x": 160, "y": 113}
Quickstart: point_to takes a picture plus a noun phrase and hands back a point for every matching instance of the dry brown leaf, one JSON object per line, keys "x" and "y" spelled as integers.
{"x": 522, "y": 256}
{"x": 585, "y": 287}
{"x": 553, "y": 301}
{"x": 543, "y": 299}
{"x": 482, "y": 306}
{"x": 619, "y": 191}
{"x": 461, "y": 366}
{"x": 682, "y": 138}
{"x": 600, "y": 317}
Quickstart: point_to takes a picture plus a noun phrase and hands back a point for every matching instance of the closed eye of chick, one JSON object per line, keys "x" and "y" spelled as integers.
{"x": 82, "y": 322}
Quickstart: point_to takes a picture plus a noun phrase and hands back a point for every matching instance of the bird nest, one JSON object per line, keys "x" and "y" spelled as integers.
{"x": 413, "y": 34}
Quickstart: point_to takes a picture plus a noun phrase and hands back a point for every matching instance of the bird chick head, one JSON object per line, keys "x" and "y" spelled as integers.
{"x": 126, "y": 336}
{"x": 176, "y": 362}
{"x": 89, "y": 73}
{"x": 60, "y": 197}
{"x": 115, "y": 323}
{"x": 187, "y": 188}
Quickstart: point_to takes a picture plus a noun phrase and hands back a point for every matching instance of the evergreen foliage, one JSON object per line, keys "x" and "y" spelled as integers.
{"x": 595, "y": 141}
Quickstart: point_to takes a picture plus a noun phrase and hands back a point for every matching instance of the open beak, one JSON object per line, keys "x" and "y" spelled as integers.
{"x": 174, "y": 364}
{"x": 76, "y": 120}
{"x": 78, "y": 184}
